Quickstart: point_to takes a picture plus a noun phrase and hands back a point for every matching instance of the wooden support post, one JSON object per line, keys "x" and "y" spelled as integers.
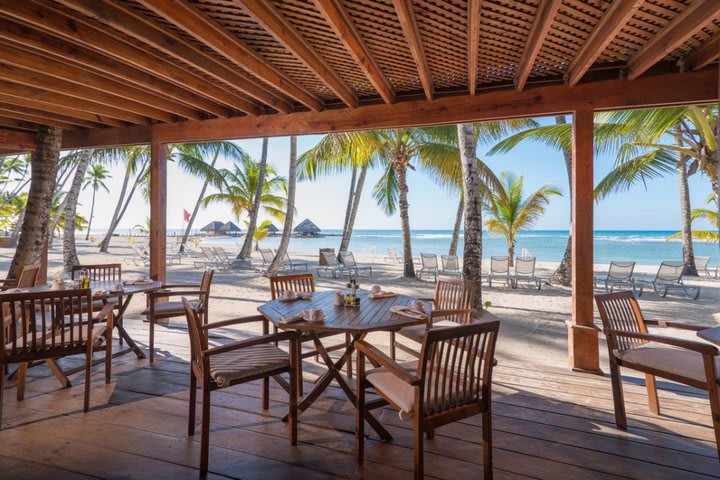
{"x": 158, "y": 209}
{"x": 583, "y": 349}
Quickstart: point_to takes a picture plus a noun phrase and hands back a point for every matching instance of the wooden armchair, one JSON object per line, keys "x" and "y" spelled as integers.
{"x": 159, "y": 308}
{"x": 452, "y": 304}
{"x": 630, "y": 345}
{"x": 49, "y": 325}
{"x": 452, "y": 381}
{"x": 234, "y": 363}
{"x": 26, "y": 278}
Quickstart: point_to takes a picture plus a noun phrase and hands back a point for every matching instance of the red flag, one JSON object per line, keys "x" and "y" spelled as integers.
{"x": 186, "y": 215}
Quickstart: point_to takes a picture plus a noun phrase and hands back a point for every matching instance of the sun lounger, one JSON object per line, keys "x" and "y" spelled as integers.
{"x": 141, "y": 258}
{"x": 450, "y": 266}
{"x": 620, "y": 274}
{"x": 224, "y": 261}
{"x": 293, "y": 265}
{"x": 702, "y": 264}
{"x": 525, "y": 271}
{"x": 500, "y": 270}
{"x": 392, "y": 257}
{"x": 267, "y": 256}
{"x": 669, "y": 277}
{"x": 208, "y": 260}
{"x": 332, "y": 266}
{"x": 429, "y": 265}
{"x": 350, "y": 265}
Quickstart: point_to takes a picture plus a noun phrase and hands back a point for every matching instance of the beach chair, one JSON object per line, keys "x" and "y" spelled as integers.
{"x": 209, "y": 260}
{"x": 267, "y": 256}
{"x": 682, "y": 360}
{"x": 224, "y": 260}
{"x": 141, "y": 257}
{"x": 500, "y": 271}
{"x": 429, "y": 265}
{"x": 292, "y": 265}
{"x": 702, "y": 264}
{"x": 332, "y": 266}
{"x": 350, "y": 265}
{"x": 669, "y": 277}
{"x": 525, "y": 272}
{"x": 620, "y": 274}
{"x": 450, "y": 266}
{"x": 392, "y": 257}
{"x": 716, "y": 272}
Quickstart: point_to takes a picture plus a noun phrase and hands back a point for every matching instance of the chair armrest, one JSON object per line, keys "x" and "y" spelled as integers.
{"x": 186, "y": 285}
{"x": 234, "y": 321}
{"x": 379, "y": 357}
{"x": 427, "y": 299}
{"x": 250, "y": 342}
{"x": 176, "y": 293}
{"x": 448, "y": 313}
{"x": 678, "y": 325}
{"x": 700, "y": 347}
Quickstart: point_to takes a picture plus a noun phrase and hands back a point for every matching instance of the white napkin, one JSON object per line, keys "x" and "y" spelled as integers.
{"x": 293, "y": 318}
{"x": 408, "y": 312}
{"x": 382, "y": 294}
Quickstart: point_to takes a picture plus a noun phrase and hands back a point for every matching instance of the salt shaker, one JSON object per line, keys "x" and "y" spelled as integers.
{"x": 339, "y": 299}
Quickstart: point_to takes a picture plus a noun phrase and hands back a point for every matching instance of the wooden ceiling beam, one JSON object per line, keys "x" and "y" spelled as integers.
{"x": 37, "y": 117}
{"x": 14, "y": 123}
{"x": 542, "y": 22}
{"x": 654, "y": 91}
{"x": 612, "y": 21}
{"x": 36, "y": 41}
{"x": 276, "y": 25}
{"x": 340, "y": 21}
{"x": 78, "y": 32}
{"x": 70, "y": 73}
{"x": 696, "y": 16}
{"x": 473, "y": 33}
{"x": 406, "y": 15}
{"x": 705, "y": 54}
{"x": 195, "y": 23}
{"x": 12, "y": 139}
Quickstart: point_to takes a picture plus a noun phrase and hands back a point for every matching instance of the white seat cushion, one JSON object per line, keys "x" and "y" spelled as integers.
{"x": 673, "y": 360}
{"x": 416, "y": 332}
{"x": 227, "y": 367}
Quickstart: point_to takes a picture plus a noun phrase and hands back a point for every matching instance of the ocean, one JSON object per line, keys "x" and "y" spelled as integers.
{"x": 642, "y": 246}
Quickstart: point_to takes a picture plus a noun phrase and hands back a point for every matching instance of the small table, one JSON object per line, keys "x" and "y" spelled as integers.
{"x": 712, "y": 335}
{"x": 370, "y": 316}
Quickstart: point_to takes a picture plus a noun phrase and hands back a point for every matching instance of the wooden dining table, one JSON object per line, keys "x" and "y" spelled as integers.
{"x": 372, "y": 315}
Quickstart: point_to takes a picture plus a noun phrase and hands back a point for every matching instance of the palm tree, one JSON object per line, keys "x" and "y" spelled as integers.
{"x": 512, "y": 212}
{"x": 260, "y": 233}
{"x": 707, "y": 215}
{"x": 192, "y": 158}
{"x": 255, "y": 209}
{"x": 95, "y": 179}
{"x": 274, "y": 267}
{"x": 70, "y": 258}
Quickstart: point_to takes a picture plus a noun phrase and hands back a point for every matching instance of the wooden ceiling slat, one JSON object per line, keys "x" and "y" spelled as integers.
{"x": 11, "y": 139}
{"x": 41, "y": 117}
{"x": 339, "y": 19}
{"x": 473, "y": 33}
{"x": 693, "y": 18}
{"x": 541, "y": 25}
{"x": 13, "y": 123}
{"x": 406, "y": 15}
{"x": 704, "y": 55}
{"x": 275, "y": 24}
{"x": 34, "y": 106}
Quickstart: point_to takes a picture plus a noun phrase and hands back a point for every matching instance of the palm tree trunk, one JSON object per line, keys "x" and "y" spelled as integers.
{"x": 92, "y": 210}
{"x": 55, "y": 220}
{"x": 347, "y": 233}
{"x": 121, "y": 213}
{"x": 34, "y": 230}
{"x": 511, "y": 252}
{"x": 16, "y": 229}
{"x": 472, "y": 252}
{"x": 70, "y": 258}
{"x": 401, "y": 172}
{"x": 113, "y": 221}
{"x": 246, "y": 249}
{"x": 348, "y": 208}
{"x": 563, "y": 274}
{"x": 287, "y": 226}
{"x": 197, "y": 205}
{"x": 685, "y": 215}
{"x": 456, "y": 228}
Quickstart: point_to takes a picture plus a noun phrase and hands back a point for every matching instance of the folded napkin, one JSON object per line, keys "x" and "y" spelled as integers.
{"x": 142, "y": 281}
{"x": 293, "y": 318}
{"x": 304, "y": 295}
{"x": 408, "y": 312}
{"x": 99, "y": 293}
{"x": 378, "y": 295}
{"x": 12, "y": 290}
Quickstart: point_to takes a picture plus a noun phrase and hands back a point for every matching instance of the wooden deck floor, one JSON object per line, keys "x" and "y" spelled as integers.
{"x": 549, "y": 424}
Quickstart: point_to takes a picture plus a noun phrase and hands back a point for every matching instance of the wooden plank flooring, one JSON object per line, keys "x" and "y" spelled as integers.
{"x": 547, "y": 424}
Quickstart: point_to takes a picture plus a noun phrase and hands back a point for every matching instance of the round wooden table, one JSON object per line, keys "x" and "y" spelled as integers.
{"x": 370, "y": 316}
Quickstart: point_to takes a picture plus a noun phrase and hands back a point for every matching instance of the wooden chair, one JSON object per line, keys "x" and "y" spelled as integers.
{"x": 630, "y": 345}
{"x": 49, "y": 325}
{"x": 101, "y": 272}
{"x": 452, "y": 304}
{"x": 26, "y": 278}
{"x": 161, "y": 309}
{"x": 234, "y": 363}
{"x": 304, "y": 282}
{"x": 452, "y": 381}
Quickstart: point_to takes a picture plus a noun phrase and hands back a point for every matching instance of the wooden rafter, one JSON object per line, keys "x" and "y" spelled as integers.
{"x": 473, "y": 34}
{"x": 619, "y": 13}
{"x": 704, "y": 55}
{"x": 197, "y": 24}
{"x": 696, "y": 16}
{"x": 276, "y": 25}
{"x": 16, "y": 140}
{"x": 39, "y": 108}
{"x": 544, "y": 17}
{"x": 406, "y": 15}
{"x": 38, "y": 117}
{"x": 15, "y": 124}
{"x": 340, "y": 21}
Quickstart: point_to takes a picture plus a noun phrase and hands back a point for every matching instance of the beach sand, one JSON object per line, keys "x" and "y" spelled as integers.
{"x": 532, "y": 328}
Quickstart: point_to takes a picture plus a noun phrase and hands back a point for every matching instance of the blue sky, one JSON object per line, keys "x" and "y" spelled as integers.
{"x": 653, "y": 208}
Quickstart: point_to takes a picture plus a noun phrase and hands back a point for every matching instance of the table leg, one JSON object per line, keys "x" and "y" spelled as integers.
{"x": 122, "y": 333}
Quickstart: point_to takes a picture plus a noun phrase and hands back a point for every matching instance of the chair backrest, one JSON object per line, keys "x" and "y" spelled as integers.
{"x": 198, "y": 338}
{"x": 499, "y": 264}
{"x": 330, "y": 259}
{"x": 28, "y": 275}
{"x": 205, "y": 284}
{"x": 701, "y": 263}
{"x": 39, "y": 324}
{"x": 267, "y": 255}
{"x": 220, "y": 253}
{"x": 621, "y": 311}
{"x": 621, "y": 270}
{"x": 525, "y": 265}
{"x": 286, "y": 257}
{"x": 392, "y": 253}
{"x": 348, "y": 259}
{"x": 304, "y": 282}
{"x": 428, "y": 260}
{"x": 455, "y": 294}
{"x": 456, "y": 366}
{"x": 101, "y": 272}
{"x": 450, "y": 263}
{"x": 670, "y": 272}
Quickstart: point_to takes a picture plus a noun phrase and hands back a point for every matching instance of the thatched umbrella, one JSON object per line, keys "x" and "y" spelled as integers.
{"x": 229, "y": 228}
{"x": 307, "y": 228}
{"x": 213, "y": 228}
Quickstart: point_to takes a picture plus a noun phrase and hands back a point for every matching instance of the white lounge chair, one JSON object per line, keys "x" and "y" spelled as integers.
{"x": 429, "y": 265}
{"x": 450, "y": 266}
{"x": 224, "y": 261}
{"x": 620, "y": 274}
{"x": 500, "y": 270}
{"x": 293, "y": 265}
{"x": 267, "y": 256}
{"x": 210, "y": 260}
{"x": 332, "y": 266}
{"x": 141, "y": 258}
{"x": 669, "y": 277}
{"x": 392, "y": 257}
{"x": 702, "y": 265}
{"x": 350, "y": 265}
{"x": 525, "y": 271}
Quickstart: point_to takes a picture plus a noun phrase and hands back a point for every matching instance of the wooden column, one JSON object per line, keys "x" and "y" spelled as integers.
{"x": 158, "y": 209}
{"x": 583, "y": 347}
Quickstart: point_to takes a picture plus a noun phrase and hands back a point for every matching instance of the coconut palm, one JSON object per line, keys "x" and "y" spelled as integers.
{"x": 260, "y": 233}
{"x": 14, "y": 176}
{"x": 274, "y": 267}
{"x": 95, "y": 179}
{"x": 70, "y": 258}
{"x": 512, "y": 212}
{"x": 246, "y": 248}
{"x": 703, "y": 214}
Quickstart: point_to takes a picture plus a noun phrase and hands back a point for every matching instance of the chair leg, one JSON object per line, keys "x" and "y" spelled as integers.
{"x": 88, "y": 373}
{"x": 618, "y": 399}
{"x": 2, "y": 389}
{"x": 266, "y": 393}
{"x": 418, "y": 447}
{"x": 348, "y": 363}
{"x": 430, "y": 433}
{"x": 487, "y": 444}
{"x": 653, "y": 401}
{"x": 205, "y": 432}
{"x": 192, "y": 402}
{"x": 360, "y": 411}
{"x": 392, "y": 345}
{"x": 21, "y": 376}
{"x": 715, "y": 412}
{"x": 108, "y": 355}
{"x": 151, "y": 321}
{"x": 293, "y": 401}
